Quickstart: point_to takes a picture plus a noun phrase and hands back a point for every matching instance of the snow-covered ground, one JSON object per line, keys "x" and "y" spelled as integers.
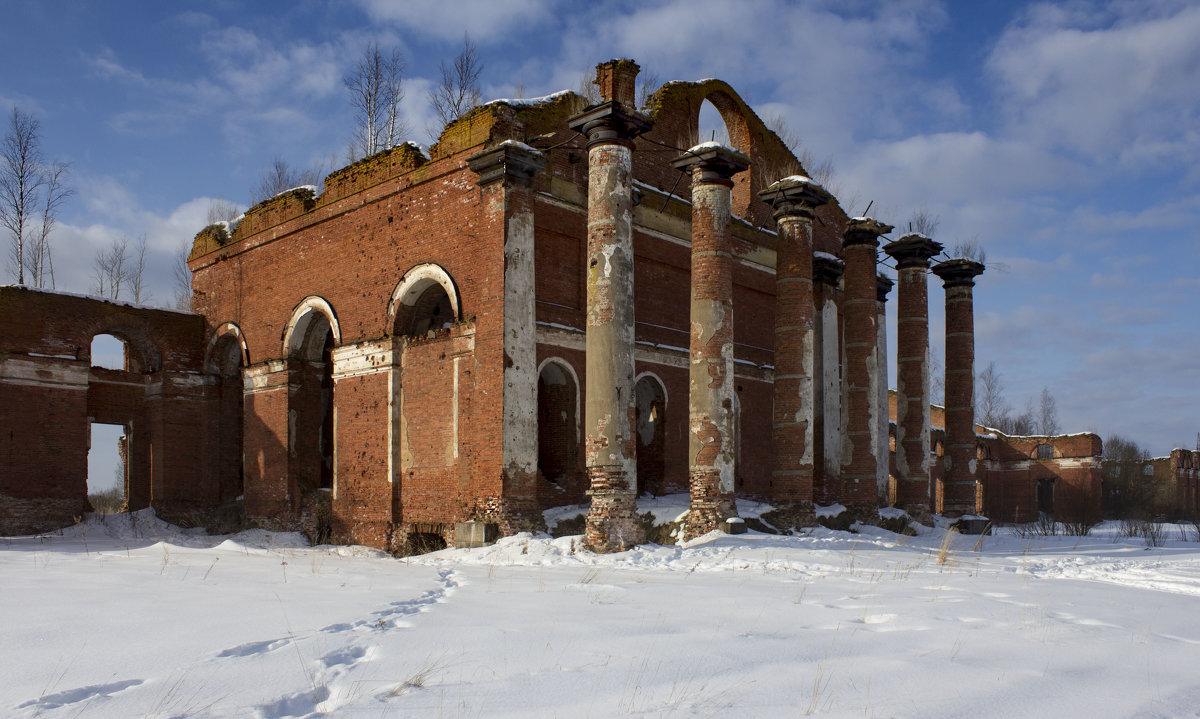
{"x": 129, "y": 617}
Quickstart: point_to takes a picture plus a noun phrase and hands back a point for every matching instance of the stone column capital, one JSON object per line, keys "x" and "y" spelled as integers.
{"x": 610, "y": 123}
{"x": 827, "y": 269}
{"x": 883, "y": 285}
{"x": 913, "y": 250}
{"x": 795, "y": 196}
{"x": 712, "y": 163}
{"x": 864, "y": 231}
{"x": 959, "y": 272}
{"x": 512, "y": 162}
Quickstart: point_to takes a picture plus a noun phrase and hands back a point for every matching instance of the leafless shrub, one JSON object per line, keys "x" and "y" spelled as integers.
{"x": 108, "y": 501}
{"x": 924, "y": 222}
{"x": 277, "y": 178}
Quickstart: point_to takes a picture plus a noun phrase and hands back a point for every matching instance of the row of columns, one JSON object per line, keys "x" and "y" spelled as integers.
{"x": 853, "y": 445}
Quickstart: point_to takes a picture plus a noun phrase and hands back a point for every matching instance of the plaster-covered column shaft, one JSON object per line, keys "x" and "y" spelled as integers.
{"x": 828, "y": 417}
{"x": 860, "y": 488}
{"x": 507, "y": 180}
{"x": 958, "y": 478}
{"x": 882, "y": 419}
{"x": 912, "y": 253}
{"x": 794, "y": 200}
{"x": 710, "y": 388}
{"x": 609, "y": 414}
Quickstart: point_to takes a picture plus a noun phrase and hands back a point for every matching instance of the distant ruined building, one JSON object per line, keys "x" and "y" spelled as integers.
{"x": 559, "y": 304}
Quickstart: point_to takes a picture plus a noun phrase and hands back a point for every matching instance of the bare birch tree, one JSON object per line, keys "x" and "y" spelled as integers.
{"x": 20, "y": 183}
{"x": 375, "y": 87}
{"x": 1048, "y": 414}
{"x": 136, "y": 272}
{"x": 458, "y": 92}
{"x": 992, "y": 410}
{"x": 54, "y": 193}
{"x": 111, "y": 269}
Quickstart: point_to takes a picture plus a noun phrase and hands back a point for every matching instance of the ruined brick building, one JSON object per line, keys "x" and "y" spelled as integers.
{"x": 558, "y": 304}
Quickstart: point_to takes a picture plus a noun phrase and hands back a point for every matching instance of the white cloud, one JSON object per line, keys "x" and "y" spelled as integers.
{"x": 485, "y": 20}
{"x": 1111, "y": 82}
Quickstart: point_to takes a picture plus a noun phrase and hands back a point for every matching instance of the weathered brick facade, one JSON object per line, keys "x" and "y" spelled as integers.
{"x": 544, "y": 310}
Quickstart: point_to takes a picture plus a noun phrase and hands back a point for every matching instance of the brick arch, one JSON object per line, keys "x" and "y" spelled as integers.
{"x": 295, "y": 334}
{"x": 675, "y": 109}
{"x": 141, "y": 352}
{"x": 227, "y": 332}
{"x": 412, "y": 291}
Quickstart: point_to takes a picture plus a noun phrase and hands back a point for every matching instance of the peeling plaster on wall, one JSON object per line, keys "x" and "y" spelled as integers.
{"x": 925, "y": 461}
{"x": 881, "y": 408}
{"x": 831, "y": 388}
{"x": 520, "y": 371}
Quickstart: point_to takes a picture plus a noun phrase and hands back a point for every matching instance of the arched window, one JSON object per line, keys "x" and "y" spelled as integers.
{"x": 312, "y": 334}
{"x": 558, "y": 402}
{"x": 1044, "y": 451}
{"x": 225, "y": 358}
{"x": 650, "y": 399}
{"x": 425, "y": 299}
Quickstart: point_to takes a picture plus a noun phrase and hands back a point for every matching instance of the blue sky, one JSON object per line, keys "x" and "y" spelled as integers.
{"x": 1064, "y": 137}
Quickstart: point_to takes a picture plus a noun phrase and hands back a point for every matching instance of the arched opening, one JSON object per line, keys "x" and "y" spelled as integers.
{"x": 424, "y": 300}
{"x": 712, "y": 127}
{"x": 226, "y": 358}
{"x": 650, "y": 401}
{"x": 109, "y": 352}
{"x": 106, "y": 462}
{"x": 557, "y": 421}
{"x": 311, "y": 339}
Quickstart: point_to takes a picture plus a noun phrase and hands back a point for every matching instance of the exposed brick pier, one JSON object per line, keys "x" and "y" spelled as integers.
{"x": 860, "y": 490}
{"x": 958, "y": 480}
{"x": 711, "y": 393}
{"x": 794, "y": 200}
{"x": 912, "y": 253}
{"x": 609, "y": 415}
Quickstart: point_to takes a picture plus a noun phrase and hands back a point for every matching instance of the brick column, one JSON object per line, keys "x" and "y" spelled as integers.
{"x": 711, "y": 391}
{"x": 958, "y": 478}
{"x": 912, "y": 253}
{"x": 794, "y": 200}
{"x": 610, "y": 422}
{"x": 860, "y": 492}
{"x": 883, "y": 285}
{"x": 828, "y": 417}
{"x": 507, "y": 178}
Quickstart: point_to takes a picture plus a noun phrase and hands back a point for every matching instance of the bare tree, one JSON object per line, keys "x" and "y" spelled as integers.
{"x": 924, "y": 222}
{"x": 1048, "y": 414}
{"x": 221, "y": 211}
{"x": 136, "y": 272}
{"x": 648, "y": 84}
{"x": 588, "y": 88}
{"x": 458, "y": 92}
{"x": 55, "y": 193}
{"x": 992, "y": 410}
{"x": 374, "y": 84}
{"x": 20, "y": 183}
{"x": 280, "y": 177}
{"x": 181, "y": 278}
{"x": 937, "y": 382}
{"x": 806, "y": 162}
{"x": 111, "y": 269}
